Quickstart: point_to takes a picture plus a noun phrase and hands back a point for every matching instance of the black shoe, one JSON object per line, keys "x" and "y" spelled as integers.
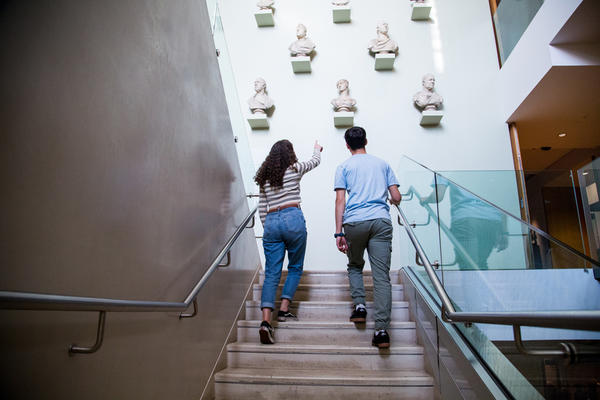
{"x": 283, "y": 316}
{"x": 266, "y": 333}
{"x": 381, "y": 339}
{"x": 359, "y": 314}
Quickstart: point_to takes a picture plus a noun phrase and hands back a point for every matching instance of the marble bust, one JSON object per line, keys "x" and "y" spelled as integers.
{"x": 261, "y": 101}
{"x": 340, "y": 2}
{"x": 427, "y": 99}
{"x": 383, "y": 44}
{"x": 343, "y": 102}
{"x": 303, "y": 46}
{"x": 265, "y": 4}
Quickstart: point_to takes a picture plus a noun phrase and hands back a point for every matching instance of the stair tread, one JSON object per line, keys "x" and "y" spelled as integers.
{"x": 345, "y": 286}
{"x": 326, "y": 376}
{"x": 292, "y": 348}
{"x": 340, "y": 272}
{"x": 315, "y": 303}
{"x": 324, "y": 324}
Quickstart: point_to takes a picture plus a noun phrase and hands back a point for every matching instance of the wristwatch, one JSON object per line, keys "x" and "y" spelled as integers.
{"x": 337, "y": 235}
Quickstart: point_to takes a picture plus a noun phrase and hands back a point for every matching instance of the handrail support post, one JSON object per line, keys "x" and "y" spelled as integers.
{"x": 228, "y": 262}
{"x": 74, "y": 349}
{"x": 567, "y": 351}
{"x": 190, "y": 315}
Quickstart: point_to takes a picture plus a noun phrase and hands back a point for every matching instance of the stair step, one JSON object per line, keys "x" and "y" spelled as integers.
{"x": 333, "y": 333}
{"x": 311, "y": 356}
{"x": 331, "y": 384}
{"x": 329, "y": 277}
{"x": 329, "y": 292}
{"x": 327, "y": 311}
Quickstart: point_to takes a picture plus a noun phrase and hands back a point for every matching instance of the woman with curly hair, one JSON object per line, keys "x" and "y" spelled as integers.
{"x": 284, "y": 228}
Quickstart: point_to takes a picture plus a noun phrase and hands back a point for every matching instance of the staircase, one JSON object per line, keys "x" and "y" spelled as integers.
{"x": 323, "y": 355}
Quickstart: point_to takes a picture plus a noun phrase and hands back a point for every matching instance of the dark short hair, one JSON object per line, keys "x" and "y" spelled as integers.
{"x": 356, "y": 137}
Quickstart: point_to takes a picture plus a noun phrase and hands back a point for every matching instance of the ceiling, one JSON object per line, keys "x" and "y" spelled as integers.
{"x": 582, "y": 27}
{"x": 566, "y": 100}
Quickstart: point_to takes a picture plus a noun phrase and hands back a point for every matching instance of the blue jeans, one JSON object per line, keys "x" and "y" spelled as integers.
{"x": 284, "y": 230}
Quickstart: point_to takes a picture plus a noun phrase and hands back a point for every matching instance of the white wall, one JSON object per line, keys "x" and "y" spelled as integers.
{"x": 457, "y": 45}
{"x": 531, "y": 58}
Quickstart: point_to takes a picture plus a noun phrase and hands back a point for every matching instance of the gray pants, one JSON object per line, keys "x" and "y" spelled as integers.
{"x": 376, "y": 237}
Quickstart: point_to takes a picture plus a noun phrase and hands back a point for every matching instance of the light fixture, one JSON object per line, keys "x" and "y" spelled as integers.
{"x": 562, "y": 134}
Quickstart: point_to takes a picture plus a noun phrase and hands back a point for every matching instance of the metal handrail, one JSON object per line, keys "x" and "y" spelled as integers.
{"x": 578, "y": 320}
{"x": 503, "y": 211}
{"x": 10, "y": 300}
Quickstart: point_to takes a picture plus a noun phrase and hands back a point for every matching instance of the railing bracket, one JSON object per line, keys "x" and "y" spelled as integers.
{"x": 193, "y": 314}
{"x": 228, "y": 262}
{"x": 567, "y": 351}
{"x": 445, "y": 315}
{"x": 418, "y": 260}
{"x": 253, "y": 222}
{"x": 74, "y": 349}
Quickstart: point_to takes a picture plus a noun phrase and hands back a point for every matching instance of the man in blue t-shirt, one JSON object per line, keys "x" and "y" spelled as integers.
{"x": 366, "y": 222}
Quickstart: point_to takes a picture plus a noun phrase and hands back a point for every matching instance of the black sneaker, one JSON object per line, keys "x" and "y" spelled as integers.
{"x": 266, "y": 333}
{"x": 359, "y": 314}
{"x": 381, "y": 339}
{"x": 283, "y": 316}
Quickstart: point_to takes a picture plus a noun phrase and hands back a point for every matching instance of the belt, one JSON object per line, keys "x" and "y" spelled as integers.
{"x": 283, "y": 207}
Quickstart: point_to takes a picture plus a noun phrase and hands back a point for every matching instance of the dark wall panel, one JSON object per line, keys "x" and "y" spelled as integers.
{"x": 119, "y": 179}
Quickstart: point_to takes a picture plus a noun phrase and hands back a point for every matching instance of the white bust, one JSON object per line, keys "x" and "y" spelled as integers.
{"x": 265, "y": 4}
{"x": 261, "y": 101}
{"x": 343, "y": 102}
{"x": 427, "y": 99}
{"x": 383, "y": 44}
{"x": 340, "y": 2}
{"x": 303, "y": 46}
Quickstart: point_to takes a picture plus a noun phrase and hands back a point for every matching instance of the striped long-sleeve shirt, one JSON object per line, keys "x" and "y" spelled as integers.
{"x": 270, "y": 198}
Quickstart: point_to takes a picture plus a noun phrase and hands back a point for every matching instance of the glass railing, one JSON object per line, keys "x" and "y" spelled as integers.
{"x": 489, "y": 260}
{"x": 563, "y": 203}
{"x": 511, "y": 19}
{"x": 238, "y": 124}
{"x": 552, "y": 200}
{"x": 588, "y": 178}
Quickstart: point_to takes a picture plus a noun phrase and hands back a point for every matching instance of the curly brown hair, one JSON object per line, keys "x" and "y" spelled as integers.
{"x": 273, "y": 168}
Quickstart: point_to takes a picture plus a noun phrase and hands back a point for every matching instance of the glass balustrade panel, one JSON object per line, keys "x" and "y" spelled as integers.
{"x": 238, "y": 122}
{"x": 492, "y": 261}
{"x": 511, "y": 19}
{"x": 416, "y": 184}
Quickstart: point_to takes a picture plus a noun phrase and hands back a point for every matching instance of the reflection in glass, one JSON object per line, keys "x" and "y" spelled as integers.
{"x": 477, "y": 227}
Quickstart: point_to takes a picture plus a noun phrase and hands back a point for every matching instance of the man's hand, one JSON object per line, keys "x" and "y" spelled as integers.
{"x": 341, "y": 244}
{"x": 395, "y": 196}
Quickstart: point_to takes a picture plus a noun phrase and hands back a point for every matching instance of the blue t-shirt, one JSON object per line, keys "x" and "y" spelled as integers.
{"x": 366, "y": 179}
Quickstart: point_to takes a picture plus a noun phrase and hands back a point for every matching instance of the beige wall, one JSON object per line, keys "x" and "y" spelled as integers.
{"x": 119, "y": 179}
